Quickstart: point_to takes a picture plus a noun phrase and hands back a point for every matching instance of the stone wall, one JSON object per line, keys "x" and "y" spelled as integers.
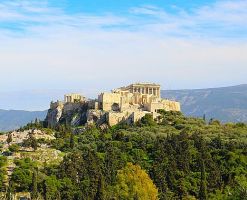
{"x": 93, "y": 104}
{"x": 73, "y": 98}
{"x": 128, "y": 117}
{"x": 56, "y": 104}
{"x": 106, "y": 100}
{"x": 163, "y": 104}
{"x": 171, "y": 105}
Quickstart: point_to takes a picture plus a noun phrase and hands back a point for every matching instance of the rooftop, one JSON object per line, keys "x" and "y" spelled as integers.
{"x": 144, "y": 83}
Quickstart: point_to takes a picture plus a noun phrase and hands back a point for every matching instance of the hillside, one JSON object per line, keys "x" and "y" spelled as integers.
{"x": 13, "y": 119}
{"x": 228, "y": 104}
{"x": 175, "y": 158}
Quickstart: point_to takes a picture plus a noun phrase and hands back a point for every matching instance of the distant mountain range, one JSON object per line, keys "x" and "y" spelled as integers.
{"x": 228, "y": 104}
{"x": 13, "y": 119}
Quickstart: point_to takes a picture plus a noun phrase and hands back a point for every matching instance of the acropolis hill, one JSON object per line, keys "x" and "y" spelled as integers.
{"x": 123, "y": 105}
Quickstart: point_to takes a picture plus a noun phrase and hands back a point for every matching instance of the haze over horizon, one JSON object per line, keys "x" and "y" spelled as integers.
{"x": 52, "y": 47}
{"x": 41, "y": 99}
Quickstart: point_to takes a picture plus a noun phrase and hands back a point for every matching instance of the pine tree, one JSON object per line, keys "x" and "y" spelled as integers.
{"x": 34, "y": 143}
{"x": 9, "y": 194}
{"x": 72, "y": 141}
{"x": 36, "y": 122}
{"x": 9, "y": 139}
{"x": 34, "y": 192}
{"x": 100, "y": 195}
{"x": 203, "y": 183}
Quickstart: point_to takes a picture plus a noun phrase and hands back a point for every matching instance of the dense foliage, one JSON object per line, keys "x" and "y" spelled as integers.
{"x": 3, "y": 162}
{"x": 177, "y": 158}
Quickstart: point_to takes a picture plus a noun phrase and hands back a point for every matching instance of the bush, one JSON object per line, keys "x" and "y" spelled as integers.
{"x": 14, "y": 148}
{"x": 147, "y": 120}
{"x": 240, "y": 125}
{"x": 3, "y": 161}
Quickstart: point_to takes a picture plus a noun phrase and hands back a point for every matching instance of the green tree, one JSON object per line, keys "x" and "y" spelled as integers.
{"x": 34, "y": 188}
{"x": 147, "y": 120}
{"x": 21, "y": 177}
{"x": 9, "y": 138}
{"x": 31, "y": 142}
{"x": 34, "y": 143}
{"x": 203, "y": 181}
{"x": 10, "y": 191}
{"x": 240, "y": 190}
{"x": 203, "y": 184}
{"x": 134, "y": 183}
{"x": 72, "y": 141}
{"x": 51, "y": 188}
{"x": 14, "y": 148}
{"x": 100, "y": 194}
{"x": 83, "y": 168}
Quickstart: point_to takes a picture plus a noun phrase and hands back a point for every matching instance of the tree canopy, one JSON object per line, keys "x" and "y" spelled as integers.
{"x": 177, "y": 157}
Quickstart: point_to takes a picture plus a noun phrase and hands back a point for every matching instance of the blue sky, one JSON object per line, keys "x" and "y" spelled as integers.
{"x": 122, "y": 6}
{"x": 55, "y": 46}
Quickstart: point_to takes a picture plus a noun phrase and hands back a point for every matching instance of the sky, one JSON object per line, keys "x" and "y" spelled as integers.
{"x": 52, "y": 47}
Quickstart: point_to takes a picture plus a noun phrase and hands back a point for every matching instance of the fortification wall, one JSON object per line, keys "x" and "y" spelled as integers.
{"x": 106, "y": 100}
{"x": 164, "y": 104}
{"x": 171, "y": 105}
{"x": 128, "y": 117}
{"x": 54, "y": 105}
{"x": 68, "y": 107}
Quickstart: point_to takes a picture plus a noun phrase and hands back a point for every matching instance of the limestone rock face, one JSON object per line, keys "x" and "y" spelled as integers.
{"x": 54, "y": 115}
{"x": 66, "y": 113}
{"x": 74, "y": 114}
{"x": 76, "y": 119}
{"x": 96, "y": 116}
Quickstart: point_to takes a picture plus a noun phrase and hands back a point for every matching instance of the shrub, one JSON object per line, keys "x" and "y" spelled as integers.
{"x": 147, "y": 120}
{"x": 14, "y": 148}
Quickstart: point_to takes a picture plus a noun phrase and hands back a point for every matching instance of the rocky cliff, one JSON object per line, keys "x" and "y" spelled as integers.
{"x": 73, "y": 114}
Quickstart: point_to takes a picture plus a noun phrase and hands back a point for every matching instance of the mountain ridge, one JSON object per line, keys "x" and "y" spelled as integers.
{"x": 229, "y": 104}
{"x": 13, "y": 119}
{"x": 210, "y": 88}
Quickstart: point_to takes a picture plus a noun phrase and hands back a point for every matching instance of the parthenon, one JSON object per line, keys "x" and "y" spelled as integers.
{"x": 133, "y": 102}
{"x": 144, "y": 88}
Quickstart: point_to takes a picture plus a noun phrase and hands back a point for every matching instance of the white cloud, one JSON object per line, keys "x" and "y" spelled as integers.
{"x": 223, "y": 19}
{"x": 78, "y": 52}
